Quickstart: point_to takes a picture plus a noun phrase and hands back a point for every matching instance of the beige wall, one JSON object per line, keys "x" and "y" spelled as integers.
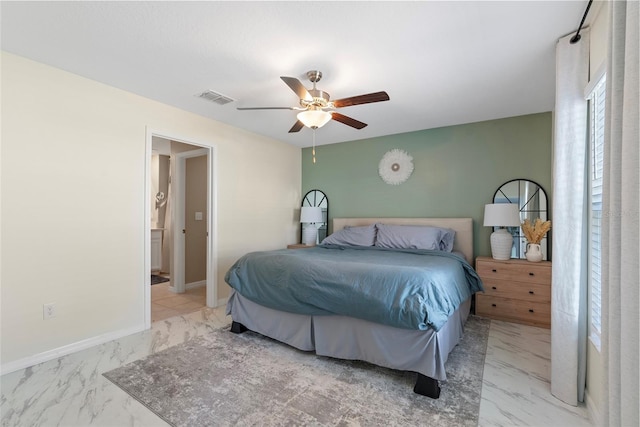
{"x": 73, "y": 191}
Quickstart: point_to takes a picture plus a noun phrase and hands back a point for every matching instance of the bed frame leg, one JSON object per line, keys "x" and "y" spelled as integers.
{"x": 238, "y": 328}
{"x": 427, "y": 386}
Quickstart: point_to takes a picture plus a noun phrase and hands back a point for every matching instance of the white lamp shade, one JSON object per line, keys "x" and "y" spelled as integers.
{"x": 310, "y": 214}
{"x": 501, "y": 215}
{"x": 314, "y": 118}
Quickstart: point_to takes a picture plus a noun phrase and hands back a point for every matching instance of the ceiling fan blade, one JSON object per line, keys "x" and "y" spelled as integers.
{"x": 297, "y": 87}
{"x": 347, "y": 120}
{"x": 267, "y": 108}
{"x": 361, "y": 99}
{"x": 296, "y": 127}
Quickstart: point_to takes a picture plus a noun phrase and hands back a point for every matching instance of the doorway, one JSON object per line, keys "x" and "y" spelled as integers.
{"x": 188, "y": 229}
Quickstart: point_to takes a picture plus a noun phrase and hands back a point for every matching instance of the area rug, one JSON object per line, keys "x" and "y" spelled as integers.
{"x": 155, "y": 279}
{"x": 224, "y": 379}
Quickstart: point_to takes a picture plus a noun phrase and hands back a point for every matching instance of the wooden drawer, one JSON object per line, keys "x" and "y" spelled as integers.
{"x": 518, "y": 290}
{"x": 511, "y": 310}
{"x": 514, "y": 270}
{"x": 299, "y": 246}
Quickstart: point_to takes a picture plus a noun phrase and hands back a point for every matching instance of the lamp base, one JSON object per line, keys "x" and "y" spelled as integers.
{"x": 310, "y": 235}
{"x": 501, "y": 244}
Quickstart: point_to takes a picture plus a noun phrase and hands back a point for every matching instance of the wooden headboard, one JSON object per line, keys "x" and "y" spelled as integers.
{"x": 463, "y": 226}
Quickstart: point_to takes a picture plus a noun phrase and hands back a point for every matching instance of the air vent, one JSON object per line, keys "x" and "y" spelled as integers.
{"x": 216, "y": 97}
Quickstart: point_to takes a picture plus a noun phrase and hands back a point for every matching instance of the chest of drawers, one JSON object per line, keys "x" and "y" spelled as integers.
{"x": 515, "y": 291}
{"x": 299, "y": 246}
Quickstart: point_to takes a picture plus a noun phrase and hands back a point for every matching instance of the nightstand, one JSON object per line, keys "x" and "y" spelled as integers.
{"x": 299, "y": 246}
{"x": 515, "y": 290}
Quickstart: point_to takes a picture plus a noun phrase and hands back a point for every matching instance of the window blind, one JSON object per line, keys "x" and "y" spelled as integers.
{"x": 596, "y": 136}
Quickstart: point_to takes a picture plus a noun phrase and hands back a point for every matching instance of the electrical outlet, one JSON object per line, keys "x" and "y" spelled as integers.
{"x": 48, "y": 311}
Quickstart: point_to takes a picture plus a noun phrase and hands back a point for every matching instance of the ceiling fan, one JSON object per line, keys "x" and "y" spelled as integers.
{"x": 314, "y": 104}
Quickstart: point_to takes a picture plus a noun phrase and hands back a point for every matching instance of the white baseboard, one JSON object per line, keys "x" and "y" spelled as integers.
{"x": 192, "y": 285}
{"x": 198, "y": 284}
{"x": 592, "y": 409}
{"x": 48, "y": 355}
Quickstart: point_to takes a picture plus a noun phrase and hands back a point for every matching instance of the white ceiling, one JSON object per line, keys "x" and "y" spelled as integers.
{"x": 442, "y": 63}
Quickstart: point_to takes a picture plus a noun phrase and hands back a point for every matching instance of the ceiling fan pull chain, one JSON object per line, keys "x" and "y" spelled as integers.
{"x": 313, "y": 150}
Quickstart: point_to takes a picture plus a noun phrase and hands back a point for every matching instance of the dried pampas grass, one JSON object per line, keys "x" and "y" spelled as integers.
{"x": 536, "y": 231}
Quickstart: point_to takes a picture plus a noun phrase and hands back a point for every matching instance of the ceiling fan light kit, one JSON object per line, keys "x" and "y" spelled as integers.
{"x": 315, "y": 102}
{"x": 314, "y": 119}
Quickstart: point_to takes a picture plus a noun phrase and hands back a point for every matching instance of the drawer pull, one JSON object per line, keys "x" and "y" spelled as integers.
{"x": 530, "y": 310}
{"x": 494, "y": 270}
{"x": 493, "y": 305}
{"x": 531, "y": 274}
{"x": 531, "y": 292}
{"x": 493, "y": 287}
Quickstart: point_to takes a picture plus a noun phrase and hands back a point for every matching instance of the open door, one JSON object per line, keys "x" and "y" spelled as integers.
{"x": 190, "y": 234}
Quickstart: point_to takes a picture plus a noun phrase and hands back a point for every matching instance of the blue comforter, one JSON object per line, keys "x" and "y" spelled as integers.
{"x": 409, "y": 288}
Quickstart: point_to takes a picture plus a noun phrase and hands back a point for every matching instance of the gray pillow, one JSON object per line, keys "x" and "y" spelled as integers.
{"x": 414, "y": 237}
{"x": 446, "y": 244}
{"x": 352, "y": 236}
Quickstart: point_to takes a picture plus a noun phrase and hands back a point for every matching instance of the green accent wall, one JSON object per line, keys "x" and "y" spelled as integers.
{"x": 457, "y": 169}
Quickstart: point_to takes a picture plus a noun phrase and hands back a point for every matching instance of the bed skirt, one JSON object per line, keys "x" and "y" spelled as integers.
{"x": 343, "y": 337}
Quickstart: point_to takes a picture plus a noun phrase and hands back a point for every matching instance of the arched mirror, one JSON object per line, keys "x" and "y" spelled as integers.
{"x": 532, "y": 203}
{"x": 316, "y": 198}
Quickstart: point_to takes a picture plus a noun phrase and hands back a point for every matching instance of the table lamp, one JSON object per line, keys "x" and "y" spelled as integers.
{"x": 309, "y": 216}
{"x": 501, "y": 215}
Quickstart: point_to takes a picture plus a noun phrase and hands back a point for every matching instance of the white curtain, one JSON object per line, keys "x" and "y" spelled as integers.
{"x": 621, "y": 233}
{"x": 570, "y": 222}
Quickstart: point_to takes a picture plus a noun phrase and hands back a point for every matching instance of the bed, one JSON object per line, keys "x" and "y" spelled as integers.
{"x": 393, "y": 340}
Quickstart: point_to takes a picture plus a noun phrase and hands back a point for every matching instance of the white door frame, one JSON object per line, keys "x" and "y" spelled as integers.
{"x": 212, "y": 264}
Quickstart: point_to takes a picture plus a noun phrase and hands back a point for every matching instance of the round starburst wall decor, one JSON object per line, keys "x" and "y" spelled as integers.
{"x": 395, "y": 167}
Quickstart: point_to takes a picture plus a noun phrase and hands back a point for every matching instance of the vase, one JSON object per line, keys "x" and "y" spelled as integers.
{"x": 533, "y": 253}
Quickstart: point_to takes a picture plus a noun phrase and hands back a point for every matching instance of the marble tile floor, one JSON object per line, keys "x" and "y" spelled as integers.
{"x": 516, "y": 390}
{"x": 71, "y": 391}
{"x": 166, "y": 304}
